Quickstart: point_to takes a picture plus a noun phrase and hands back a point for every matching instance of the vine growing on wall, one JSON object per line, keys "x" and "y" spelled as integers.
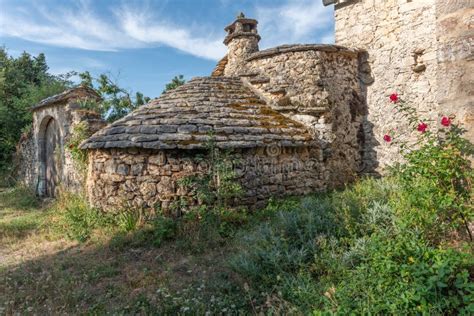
{"x": 79, "y": 133}
{"x": 214, "y": 190}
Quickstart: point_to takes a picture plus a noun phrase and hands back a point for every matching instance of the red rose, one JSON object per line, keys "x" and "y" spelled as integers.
{"x": 422, "y": 127}
{"x": 394, "y": 97}
{"x": 387, "y": 138}
{"x": 445, "y": 121}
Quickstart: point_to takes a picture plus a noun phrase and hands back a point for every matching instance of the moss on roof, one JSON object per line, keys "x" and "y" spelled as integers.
{"x": 184, "y": 117}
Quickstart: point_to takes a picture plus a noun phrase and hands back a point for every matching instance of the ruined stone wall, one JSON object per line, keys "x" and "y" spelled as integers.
{"x": 317, "y": 86}
{"x": 119, "y": 179}
{"x": 418, "y": 48}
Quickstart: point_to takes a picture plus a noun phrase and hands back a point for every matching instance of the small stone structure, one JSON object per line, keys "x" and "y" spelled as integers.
{"x": 42, "y": 162}
{"x": 137, "y": 161}
{"x": 291, "y": 113}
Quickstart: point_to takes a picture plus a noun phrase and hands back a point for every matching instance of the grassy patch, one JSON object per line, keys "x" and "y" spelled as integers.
{"x": 21, "y": 213}
{"x": 344, "y": 251}
{"x": 114, "y": 263}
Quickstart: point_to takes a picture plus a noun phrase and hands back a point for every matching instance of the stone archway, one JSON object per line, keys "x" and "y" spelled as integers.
{"x": 50, "y": 161}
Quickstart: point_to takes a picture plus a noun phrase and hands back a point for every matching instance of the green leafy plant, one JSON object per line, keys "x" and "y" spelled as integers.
{"x": 79, "y": 133}
{"x": 116, "y": 101}
{"x": 214, "y": 191}
{"x": 438, "y": 166}
{"x": 175, "y": 82}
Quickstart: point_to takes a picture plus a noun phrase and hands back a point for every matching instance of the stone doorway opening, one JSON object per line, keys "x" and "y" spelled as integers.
{"x": 49, "y": 145}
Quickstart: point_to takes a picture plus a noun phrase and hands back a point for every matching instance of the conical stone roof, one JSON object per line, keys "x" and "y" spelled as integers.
{"x": 183, "y": 118}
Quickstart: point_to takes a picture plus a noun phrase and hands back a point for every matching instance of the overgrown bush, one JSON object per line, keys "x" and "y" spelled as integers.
{"x": 213, "y": 194}
{"x": 399, "y": 245}
{"x": 74, "y": 218}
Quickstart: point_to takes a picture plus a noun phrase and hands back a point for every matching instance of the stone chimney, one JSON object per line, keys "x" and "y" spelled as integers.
{"x": 241, "y": 40}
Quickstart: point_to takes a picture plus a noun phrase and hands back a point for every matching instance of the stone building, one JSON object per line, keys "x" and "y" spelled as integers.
{"x": 300, "y": 118}
{"x": 422, "y": 49}
{"x": 43, "y": 163}
{"x": 291, "y": 113}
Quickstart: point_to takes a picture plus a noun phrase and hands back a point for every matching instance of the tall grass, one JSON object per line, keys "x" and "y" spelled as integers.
{"x": 20, "y": 212}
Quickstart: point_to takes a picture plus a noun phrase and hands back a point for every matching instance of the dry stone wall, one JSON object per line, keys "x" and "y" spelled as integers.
{"x": 140, "y": 178}
{"x": 25, "y": 160}
{"x": 316, "y": 85}
{"x": 418, "y": 48}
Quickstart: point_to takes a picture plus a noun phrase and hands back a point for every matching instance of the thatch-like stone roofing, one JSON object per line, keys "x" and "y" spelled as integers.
{"x": 184, "y": 117}
{"x": 79, "y": 92}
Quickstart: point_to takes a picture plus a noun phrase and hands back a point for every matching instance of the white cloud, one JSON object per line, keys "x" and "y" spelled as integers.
{"x": 80, "y": 27}
{"x": 295, "y": 21}
{"x": 133, "y": 26}
{"x": 143, "y": 27}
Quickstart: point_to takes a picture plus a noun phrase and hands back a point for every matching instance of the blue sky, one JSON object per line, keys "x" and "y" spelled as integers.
{"x": 143, "y": 44}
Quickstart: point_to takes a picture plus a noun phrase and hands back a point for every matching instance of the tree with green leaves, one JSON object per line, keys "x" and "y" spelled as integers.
{"x": 175, "y": 82}
{"x": 116, "y": 101}
{"x": 24, "y": 81}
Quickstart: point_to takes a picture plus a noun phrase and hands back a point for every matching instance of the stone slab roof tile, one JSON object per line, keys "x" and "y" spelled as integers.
{"x": 182, "y": 118}
{"x": 73, "y": 93}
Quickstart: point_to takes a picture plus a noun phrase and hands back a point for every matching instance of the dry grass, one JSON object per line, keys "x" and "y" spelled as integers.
{"x": 43, "y": 273}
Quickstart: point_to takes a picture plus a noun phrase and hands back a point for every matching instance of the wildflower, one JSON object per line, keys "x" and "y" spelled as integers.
{"x": 394, "y": 98}
{"x": 422, "y": 127}
{"x": 387, "y": 138}
{"x": 445, "y": 121}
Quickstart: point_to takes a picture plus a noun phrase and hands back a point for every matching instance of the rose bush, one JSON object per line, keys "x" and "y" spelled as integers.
{"x": 436, "y": 176}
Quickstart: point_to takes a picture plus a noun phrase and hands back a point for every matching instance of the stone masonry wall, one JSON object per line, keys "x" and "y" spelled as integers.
{"x": 316, "y": 85}
{"x": 406, "y": 40}
{"x": 119, "y": 179}
{"x": 455, "y": 34}
{"x": 25, "y": 160}
{"x": 239, "y": 50}
{"x": 28, "y": 156}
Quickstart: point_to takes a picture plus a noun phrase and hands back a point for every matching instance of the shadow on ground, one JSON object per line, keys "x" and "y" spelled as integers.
{"x": 99, "y": 278}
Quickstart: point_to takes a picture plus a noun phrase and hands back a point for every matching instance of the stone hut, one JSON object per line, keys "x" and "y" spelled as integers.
{"x": 43, "y": 163}
{"x": 291, "y": 113}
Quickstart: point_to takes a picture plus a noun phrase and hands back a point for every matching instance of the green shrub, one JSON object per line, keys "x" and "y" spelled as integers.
{"x": 348, "y": 252}
{"x": 79, "y": 133}
{"x": 76, "y": 219}
{"x": 401, "y": 274}
{"x": 128, "y": 221}
{"x": 150, "y": 233}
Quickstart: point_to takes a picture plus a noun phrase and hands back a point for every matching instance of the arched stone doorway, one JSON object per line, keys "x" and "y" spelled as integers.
{"x": 49, "y": 145}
